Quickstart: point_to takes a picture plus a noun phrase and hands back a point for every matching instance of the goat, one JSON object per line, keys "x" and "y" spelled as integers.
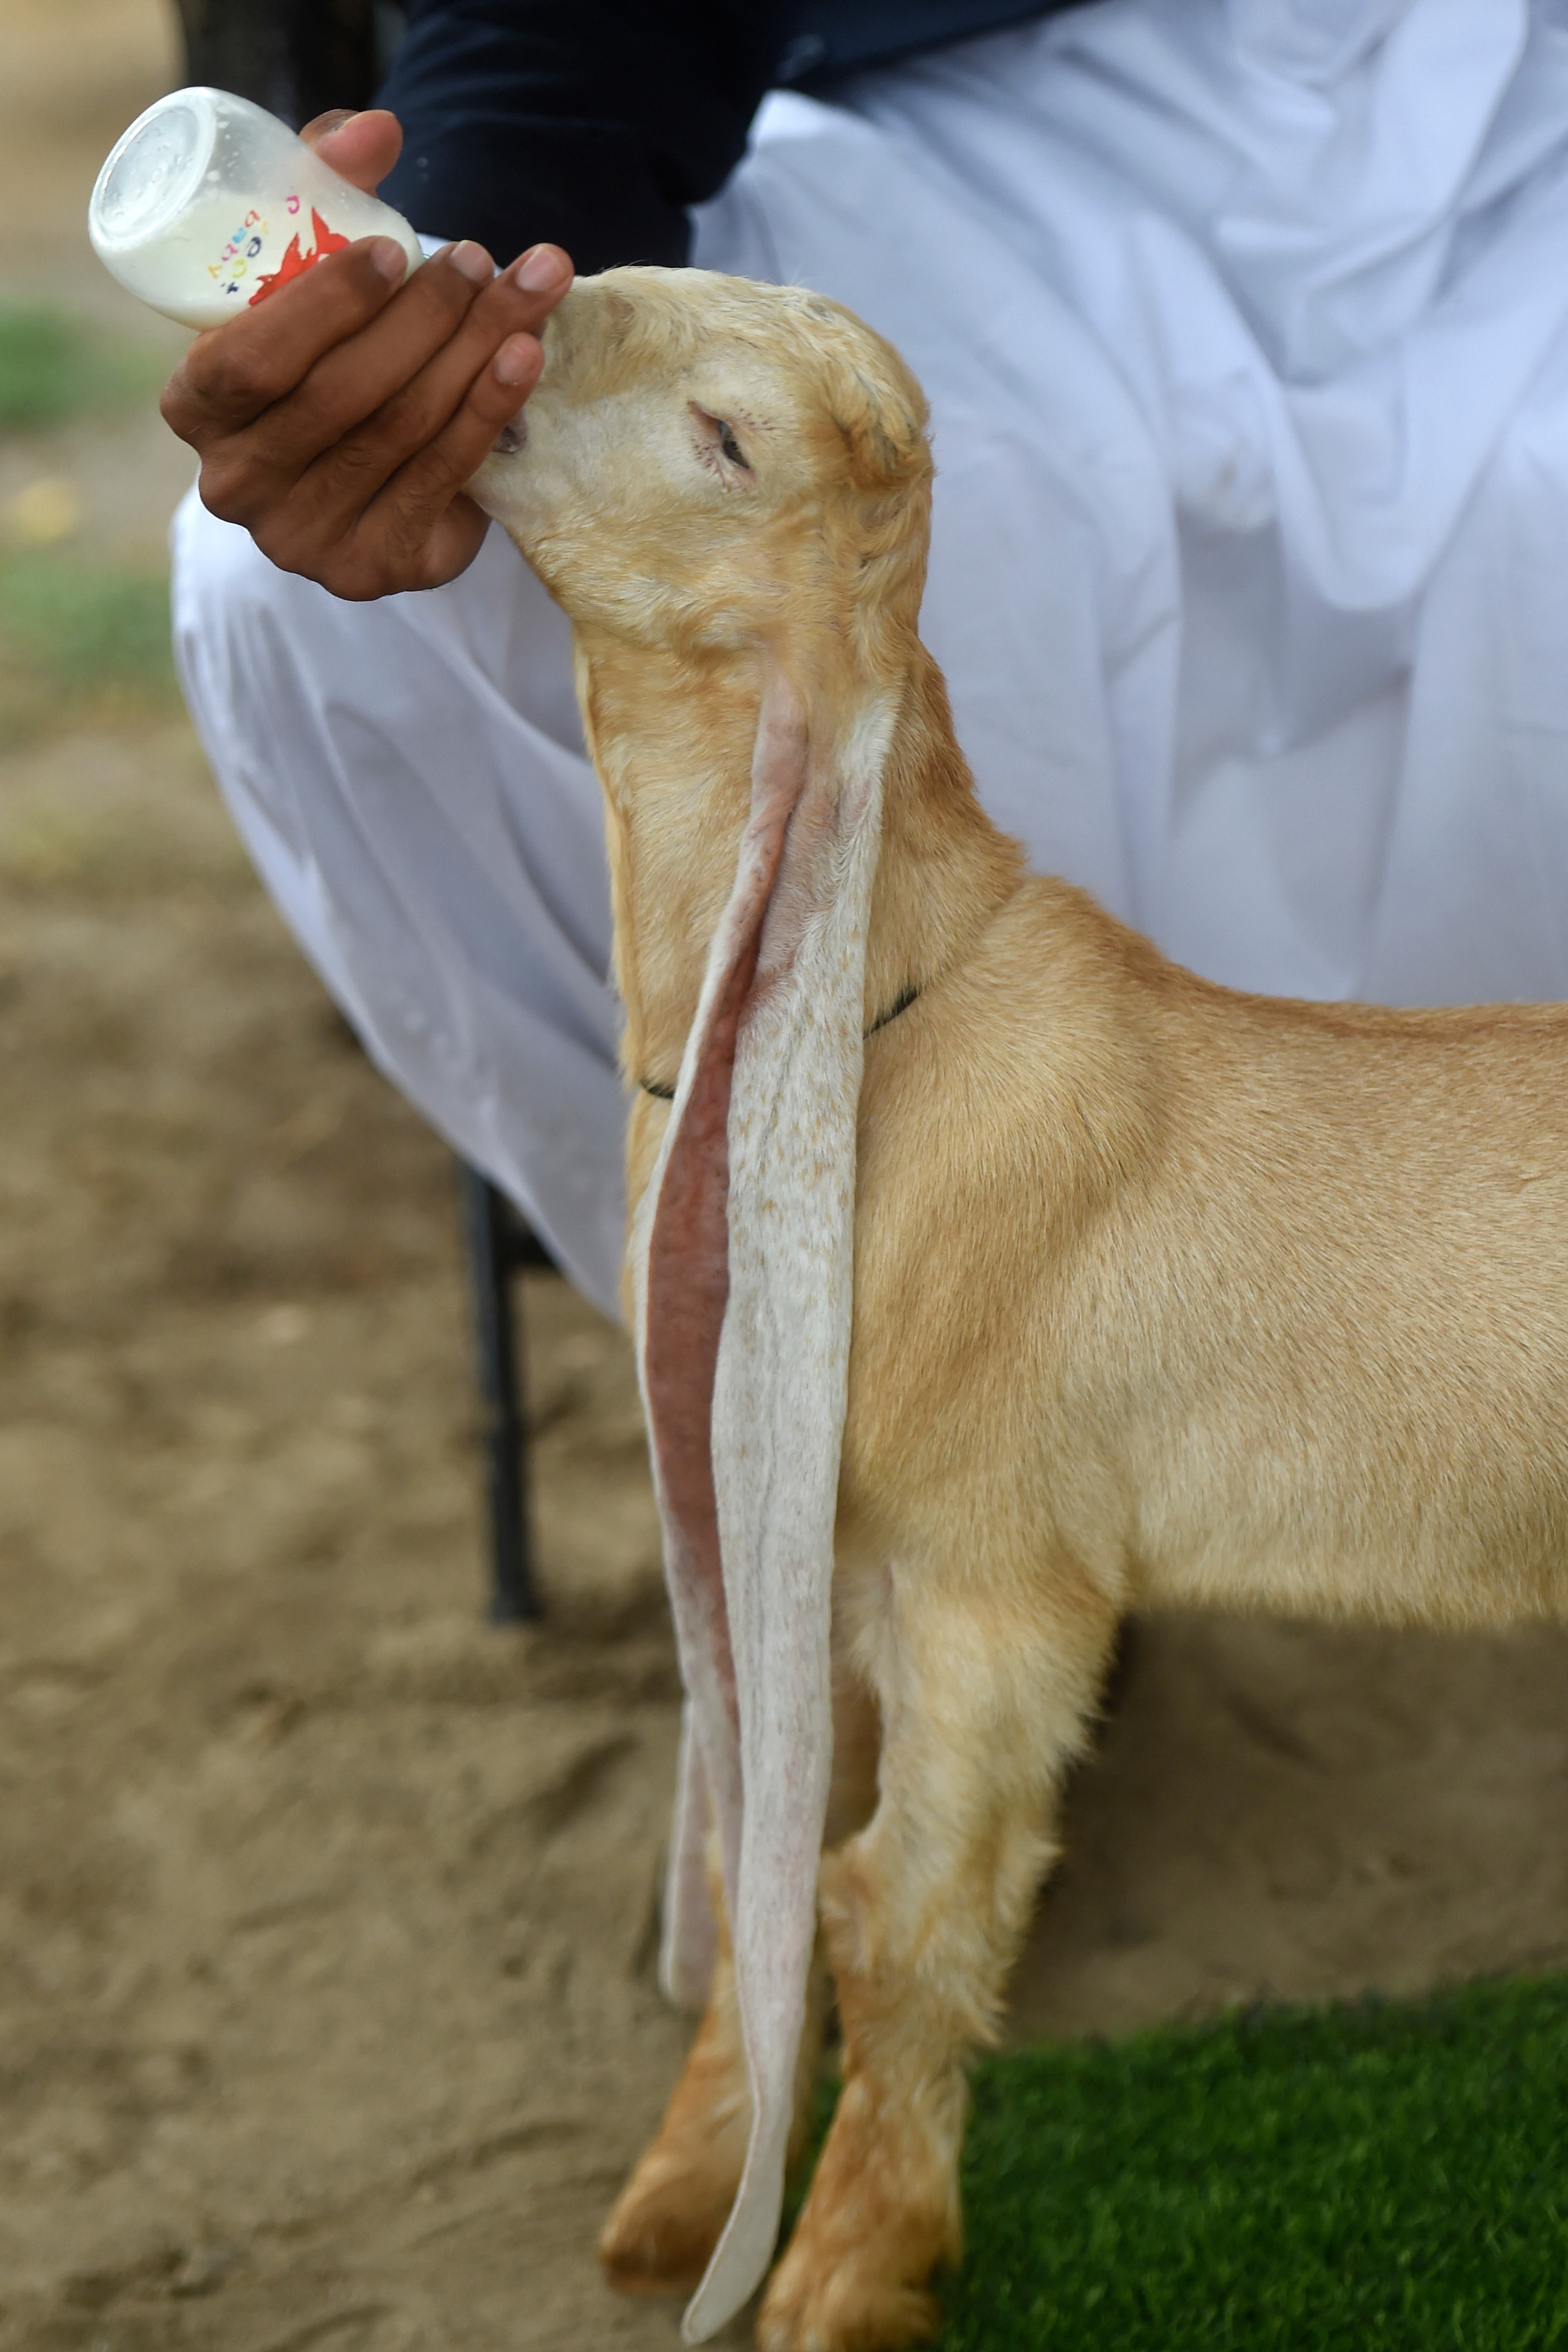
{"x": 992, "y": 1274}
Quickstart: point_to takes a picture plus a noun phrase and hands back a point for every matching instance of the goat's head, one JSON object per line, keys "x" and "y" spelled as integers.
{"x": 706, "y": 460}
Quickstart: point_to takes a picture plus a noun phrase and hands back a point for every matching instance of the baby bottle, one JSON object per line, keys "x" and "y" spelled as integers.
{"x": 207, "y": 204}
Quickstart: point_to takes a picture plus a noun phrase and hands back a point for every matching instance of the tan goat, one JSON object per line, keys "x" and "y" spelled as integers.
{"x": 1161, "y": 1294}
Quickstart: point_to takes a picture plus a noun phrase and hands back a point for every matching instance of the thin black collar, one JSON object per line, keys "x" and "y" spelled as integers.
{"x": 901, "y": 1004}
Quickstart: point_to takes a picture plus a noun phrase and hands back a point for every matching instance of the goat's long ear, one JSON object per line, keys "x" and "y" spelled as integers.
{"x": 743, "y": 1267}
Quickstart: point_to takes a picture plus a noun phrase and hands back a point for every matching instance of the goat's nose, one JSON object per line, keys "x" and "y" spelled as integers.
{"x": 511, "y": 437}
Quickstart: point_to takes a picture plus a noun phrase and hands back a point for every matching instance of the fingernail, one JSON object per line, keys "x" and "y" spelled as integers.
{"x": 473, "y": 261}
{"x": 516, "y": 357}
{"x": 389, "y": 258}
{"x": 542, "y": 266}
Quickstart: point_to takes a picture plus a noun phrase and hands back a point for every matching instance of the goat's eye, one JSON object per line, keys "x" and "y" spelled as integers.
{"x": 715, "y": 439}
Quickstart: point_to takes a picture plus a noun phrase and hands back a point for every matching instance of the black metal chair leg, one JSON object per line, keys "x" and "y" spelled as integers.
{"x": 498, "y": 1244}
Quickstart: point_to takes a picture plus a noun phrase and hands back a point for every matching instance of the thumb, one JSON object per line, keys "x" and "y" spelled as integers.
{"x": 362, "y": 147}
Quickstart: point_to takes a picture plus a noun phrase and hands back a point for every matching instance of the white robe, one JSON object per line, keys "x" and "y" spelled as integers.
{"x": 1245, "y": 330}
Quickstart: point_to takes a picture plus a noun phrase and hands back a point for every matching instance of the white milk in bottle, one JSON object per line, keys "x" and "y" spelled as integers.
{"x": 207, "y": 204}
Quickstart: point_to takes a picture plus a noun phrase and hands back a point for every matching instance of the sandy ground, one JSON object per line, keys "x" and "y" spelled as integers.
{"x": 327, "y": 1912}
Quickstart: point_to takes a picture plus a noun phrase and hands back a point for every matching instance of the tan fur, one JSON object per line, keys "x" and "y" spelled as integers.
{"x": 1164, "y": 1293}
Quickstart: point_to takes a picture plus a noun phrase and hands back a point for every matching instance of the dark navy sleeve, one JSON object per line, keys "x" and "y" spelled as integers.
{"x": 595, "y": 124}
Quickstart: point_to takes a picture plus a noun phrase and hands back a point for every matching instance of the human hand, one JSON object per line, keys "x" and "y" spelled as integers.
{"x": 339, "y": 420}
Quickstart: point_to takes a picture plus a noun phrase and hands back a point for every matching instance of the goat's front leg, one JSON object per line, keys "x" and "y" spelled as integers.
{"x": 665, "y": 2223}
{"x": 984, "y": 1704}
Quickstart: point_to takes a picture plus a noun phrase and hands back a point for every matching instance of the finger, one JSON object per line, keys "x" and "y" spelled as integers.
{"x": 421, "y": 530}
{"x": 333, "y": 119}
{"x": 454, "y": 543}
{"x": 371, "y": 400}
{"x": 233, "y": 373}
{"x": 367, "y": 567}
{"x": 423, "y": 523}
{"x": 516, "y": 302}
{"x": 408, "y": 510}
{"x": 545, "y": 272}
{"x": 344, "y": 393}
{"x": 362, "y": 147}
{"x": 356, "y": 462}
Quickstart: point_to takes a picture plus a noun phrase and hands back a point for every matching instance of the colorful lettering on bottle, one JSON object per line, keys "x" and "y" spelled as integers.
{"x": 227, "y": 262}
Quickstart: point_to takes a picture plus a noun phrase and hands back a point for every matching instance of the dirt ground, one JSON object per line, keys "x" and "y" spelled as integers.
{"x": 327, "y": 1912}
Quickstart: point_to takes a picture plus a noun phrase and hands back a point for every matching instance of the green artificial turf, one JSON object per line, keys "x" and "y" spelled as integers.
{"x": 1368, "y": 2177}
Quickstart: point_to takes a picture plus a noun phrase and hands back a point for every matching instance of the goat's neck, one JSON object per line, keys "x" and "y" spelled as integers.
{"x": 672, "y": 740}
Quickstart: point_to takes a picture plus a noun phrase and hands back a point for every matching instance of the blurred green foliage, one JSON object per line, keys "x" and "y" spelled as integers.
{"x": 77, "y": 636}
{"x": 84, "y": 622}
{"x": 52, "y": 368}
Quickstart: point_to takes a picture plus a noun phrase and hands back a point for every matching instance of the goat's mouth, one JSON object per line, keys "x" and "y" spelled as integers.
{"x": 511, "y": 437}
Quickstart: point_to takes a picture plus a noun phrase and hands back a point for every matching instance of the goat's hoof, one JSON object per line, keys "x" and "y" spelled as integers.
{"x": 661, "y": 2235}
{"x": 853, "y": 2306}
{"x": 881, "y": 2213}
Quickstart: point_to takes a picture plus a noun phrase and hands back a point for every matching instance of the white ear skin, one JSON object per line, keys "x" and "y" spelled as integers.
{"x": 688, "y": 1943}
{"x": 778, "y": 1426}
{"x": 746, "y": 1363}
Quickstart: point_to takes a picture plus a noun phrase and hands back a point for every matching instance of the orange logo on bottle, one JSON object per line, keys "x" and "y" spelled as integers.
{"x": 294, "y": 263}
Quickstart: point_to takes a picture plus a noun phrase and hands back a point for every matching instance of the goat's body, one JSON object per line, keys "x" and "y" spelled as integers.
{"x": 1210, "y": 1298}
{"x": 1163, "y": 1294}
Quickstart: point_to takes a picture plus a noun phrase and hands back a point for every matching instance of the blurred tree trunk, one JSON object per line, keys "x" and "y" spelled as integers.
{"x": 296, "y": 58}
